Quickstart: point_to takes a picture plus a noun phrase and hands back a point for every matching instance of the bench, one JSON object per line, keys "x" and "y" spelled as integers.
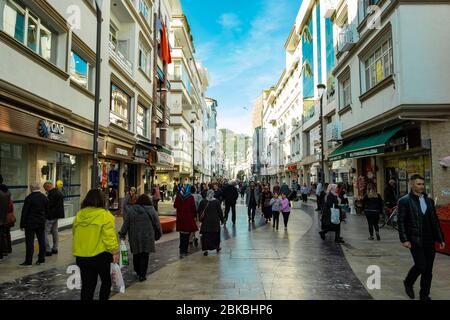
{"x": 167, "y": 223}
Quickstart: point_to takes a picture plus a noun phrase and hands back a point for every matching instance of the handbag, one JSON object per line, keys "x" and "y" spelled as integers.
{"x": 10, "y": 217}
{"x": 156, "y": 230}
{"x": 202, "y": 216}
{"x": 335, "y": 215}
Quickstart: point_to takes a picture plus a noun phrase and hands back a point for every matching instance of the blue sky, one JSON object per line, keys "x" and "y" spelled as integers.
{"x": 241, "y": 42}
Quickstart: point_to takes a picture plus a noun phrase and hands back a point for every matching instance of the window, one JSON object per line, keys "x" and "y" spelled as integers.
{"x": 365, "y": 6}
{"x": 120, "y": 106}
{"x": 346, "y": 93}
{"x": 79, "y": 70}
{"x": 20, "y": 23}
{"x": 142, "y": 120}
{"x": 379, "y": 65}
{"x": 143, "y": 8}
{"x": 113, "y": 35}
{"x": 144, "y": 60}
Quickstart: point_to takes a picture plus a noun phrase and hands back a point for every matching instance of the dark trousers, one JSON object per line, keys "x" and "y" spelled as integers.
{"x": 319, "y": 205}
{"x": 140, "y": 263}
{"x": 233, "y": 211}
{"x": 251, "y": 211}
{"x": 29, "y": 242}
{"x": 155, "y": 204}
{"x": 286, "y": 218}
{"x": 184, "y": 242}
{"x": 336, "y": 228}
{"x": 304, "y": 197}
{"x": 423, "y": 265}
{"x": 373, "y": 218}
{"x": 2, "y": 242}
{"x": 90, "y": 269}
{"x": 276, "y": 218}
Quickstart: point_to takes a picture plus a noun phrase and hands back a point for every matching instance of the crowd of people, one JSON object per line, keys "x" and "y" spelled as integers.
{"x": 202, "y": 209}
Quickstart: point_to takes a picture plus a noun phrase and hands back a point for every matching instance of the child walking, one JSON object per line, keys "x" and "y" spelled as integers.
{"x": 286, "y": 209}
{"x": 276, "y": 204}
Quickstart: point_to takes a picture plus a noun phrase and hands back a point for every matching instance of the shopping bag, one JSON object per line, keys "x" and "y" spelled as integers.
{"x": 117, "y": 279}
{"x": 123, "y": 254}
{"x": 335, "y": 215}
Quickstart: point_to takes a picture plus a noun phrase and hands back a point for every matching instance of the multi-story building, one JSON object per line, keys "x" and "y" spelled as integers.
{"x": 381, "y": 111}
{"x": 257, "y": 138}
{"x": 211, "y": 154}
{"x": 189, "y": 81}
{"x": 394, "y": 110}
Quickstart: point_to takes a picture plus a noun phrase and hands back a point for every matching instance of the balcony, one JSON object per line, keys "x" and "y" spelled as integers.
{"x": 347, "y": 39}
{"x": 120, "y": 58}
{"x": 330, "y": 8}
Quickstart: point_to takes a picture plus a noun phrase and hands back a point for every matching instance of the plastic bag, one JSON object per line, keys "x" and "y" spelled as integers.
{"x": 123, "y": 254}
{"x": 335, "y": 215}
{"x": 117, "y": 279}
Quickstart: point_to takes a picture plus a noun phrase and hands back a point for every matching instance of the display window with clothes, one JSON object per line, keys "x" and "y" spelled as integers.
{"x": 108, "y": 177}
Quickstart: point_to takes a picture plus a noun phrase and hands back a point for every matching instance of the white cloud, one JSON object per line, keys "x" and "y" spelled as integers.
{"x": 229, "y": 21}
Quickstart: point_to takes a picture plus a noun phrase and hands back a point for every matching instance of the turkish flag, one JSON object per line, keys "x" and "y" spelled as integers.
{"x": 165, "y": 47}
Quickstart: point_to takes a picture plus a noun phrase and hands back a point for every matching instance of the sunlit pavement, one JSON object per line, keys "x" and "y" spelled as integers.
{"x": 256, "y": 262}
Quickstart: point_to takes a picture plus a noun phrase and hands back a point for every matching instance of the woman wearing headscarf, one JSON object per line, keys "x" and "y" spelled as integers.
{"x": 266, "y": 196}
{"x": 139, "y": 224}
{"x": 186, "y": 213}
{"x": 211, "y": 216}
{"x": 331, "y": 201}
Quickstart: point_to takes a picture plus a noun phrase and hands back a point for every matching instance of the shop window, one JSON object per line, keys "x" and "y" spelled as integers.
{"x": 27, "y": 28}
{"x": 120, "y": 106}
{"x": 68, "y": 170}
{"x": 14, "y": 170}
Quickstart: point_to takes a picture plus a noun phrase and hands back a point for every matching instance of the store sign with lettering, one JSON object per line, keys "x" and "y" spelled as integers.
{"x": 365, "y": 152}
{"x": 121, "y": 152}
{"x": 164, "y": 158}
{"x": 52, "y": 130}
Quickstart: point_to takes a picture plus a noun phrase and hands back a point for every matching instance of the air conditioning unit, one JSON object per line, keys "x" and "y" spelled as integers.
{"x": 330, "y": 8}
{"x": 347, "y": 39}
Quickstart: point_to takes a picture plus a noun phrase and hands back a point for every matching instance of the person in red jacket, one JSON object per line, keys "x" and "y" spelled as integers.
{"x": 186, "y": 213}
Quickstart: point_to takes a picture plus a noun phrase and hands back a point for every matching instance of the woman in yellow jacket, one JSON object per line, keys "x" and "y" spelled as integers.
{"x": 95, "y": 245}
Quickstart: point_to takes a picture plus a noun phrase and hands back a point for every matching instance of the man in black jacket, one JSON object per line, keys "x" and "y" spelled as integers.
{"x": 419, "y": 230}
{"x": 55, "y": 212}
{"x": 32, "y": 221}
{"x": 230, "y": 196}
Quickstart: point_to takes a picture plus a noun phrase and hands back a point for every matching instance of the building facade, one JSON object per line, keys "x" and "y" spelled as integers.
{"x": 379, "y": 115}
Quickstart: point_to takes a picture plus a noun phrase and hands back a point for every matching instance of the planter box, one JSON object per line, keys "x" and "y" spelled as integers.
{"x": 296, "y": 204}
{"x": 445, "y": 226}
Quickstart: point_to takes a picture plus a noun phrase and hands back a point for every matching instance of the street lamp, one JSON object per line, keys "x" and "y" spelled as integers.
{"x": 98, "y": 4}
{"x": 321, "y": 89}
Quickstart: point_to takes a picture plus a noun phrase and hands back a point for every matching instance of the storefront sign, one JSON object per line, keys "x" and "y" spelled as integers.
{"x": 161, "y": 169}
{"x": 165, "y": 158}
{"x": 364, "y": 153}
{"x": 396, "y": 142}
{"x": 292, "y": 167}
{"x": 121, "y": 152}
{"x": 52, "y": 130}
{"x": 115, "y": 150}
{"x": 140, "y": 155}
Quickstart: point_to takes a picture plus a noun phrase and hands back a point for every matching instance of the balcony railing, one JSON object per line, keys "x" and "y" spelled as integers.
{"x": 347, "y": 39}
{"x": 126, "y": 64}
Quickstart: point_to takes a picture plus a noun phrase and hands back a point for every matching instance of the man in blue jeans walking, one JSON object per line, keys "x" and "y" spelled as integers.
{"x": 55, "y": 212}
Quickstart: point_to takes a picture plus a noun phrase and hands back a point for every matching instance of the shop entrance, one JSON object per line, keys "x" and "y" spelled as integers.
{"x": 130, "y": 176}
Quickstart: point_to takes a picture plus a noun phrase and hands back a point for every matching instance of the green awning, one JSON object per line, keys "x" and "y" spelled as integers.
{"x": 364, "y": 146}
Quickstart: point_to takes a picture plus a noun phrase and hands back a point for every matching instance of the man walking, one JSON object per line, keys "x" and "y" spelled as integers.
{"x": 252, "y": 200}
{"x": 230, "y": 196}
{"x": 419, "y": 230}
{"x": 55, "y": 212}
{"x": 32, "y": 221}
